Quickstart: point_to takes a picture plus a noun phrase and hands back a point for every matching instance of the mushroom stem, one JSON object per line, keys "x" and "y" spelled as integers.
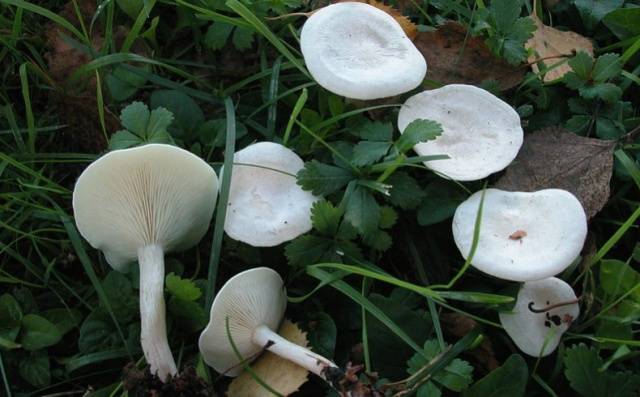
{"x": 153, "y": 332}
{"x": 263, "y": 336}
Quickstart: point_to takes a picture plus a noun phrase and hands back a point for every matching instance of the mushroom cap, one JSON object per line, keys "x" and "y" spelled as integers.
{"x": 523, "y": 236}
{"x": 266, "y": 205}
{"x": 249, "y": 299}
{"x": 529, "y": 330}
{"x": 152, "y": 194}
{"x": 358, "y": 51}
{"x": 480, "y": 133}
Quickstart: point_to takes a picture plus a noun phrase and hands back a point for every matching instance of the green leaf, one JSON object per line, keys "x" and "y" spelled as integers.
{"x": 97, "y": 331}
{"x": 379, "y": 240}
{"x": 388, "y": 217}
{"x": 217, "y": 35}
{"x": 419, "y": 130}
{"x": 606, "y": 67}
{"x": 38, "y": 332}
{"x": 429, "y": 389}
{"x": 188, "y": 116}
{"x": 322, "y": 179}
{"x": 440, "y": 202}
{"x": 362, "y": 210}
{"x": 374, "y": 131}
{"x": 182, "y": 288}
{"x": 508, "y": 380}
{"x": 159, "y": 121}
{"x": 35, "y": 369}
{"x": 592, "y": 11}
{"x": 64, "y": 319}
{"x": 582, "y": 369}
{"x": 581, "y": 64}
{"x": 608, "y": 92}
{"x": 123, "y": 300}
{"x": 322, "y": 333}
{"x": 624, "y": 22}
{"x": 369, "y": 152}
{"x": 10, "y": 313}
{"x": 326, "y": 218}
{"x": 405, "y": 192}
{"x": 135, "y": 117}
{"x": 617, "y": 277}
{"x": 308, "y": 250}
{"x": 124, "y": 139}
{"x": 131, "y": 7}
{"x": 190, "y": 315}
{"x": 456, "y": 376}
{"x": 243, "y": 38}
{"x": 504, "y": 13}
{"x": 124, "y": 83}
{"x": 7, "y": 344}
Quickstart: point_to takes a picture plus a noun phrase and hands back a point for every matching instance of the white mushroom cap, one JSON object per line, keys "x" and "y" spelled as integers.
{"x": 153, "y": 194}
{"x": 481, "y": 133}
{"x": 523, "y": 236}
{"x": 249, "y": 299}
{"x": 531, "y": 331}
{"x": 358, "y": 51}
{"x": 266, "y": 205}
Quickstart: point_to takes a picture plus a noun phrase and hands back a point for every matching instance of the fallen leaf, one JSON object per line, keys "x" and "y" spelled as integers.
{"x": 454, "y": 56}
{"x": 410, "y": 29}
{"x": 551, "y": 45}
{"x": 458, "y": 325}
{"x": 556, "y": 158}
{"x": 282, "y": 375}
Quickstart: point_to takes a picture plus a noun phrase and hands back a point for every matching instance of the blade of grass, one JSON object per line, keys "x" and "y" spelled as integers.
{"x": 221, "y": 211}
{"x": 302, "y": 99}
{"x": 259, "y": 26}
{"x": 4, "y": 377}
{"x": 273, "y": 93}
{"x": 137, "y": 26}
{"x": 49, "y": 15}
{"x": 24, "y": 82}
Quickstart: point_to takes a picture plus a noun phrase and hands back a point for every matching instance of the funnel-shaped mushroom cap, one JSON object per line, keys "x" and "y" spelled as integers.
{"x": 523, "y": 236}
{"x": 530, "y": 331}
{"x": 249, "y": 299}
{"x": 481, "y": 133}
{"x": 358, "y": 51}
{"x": 266, "y": 205}
{"x": 152, "y": 194}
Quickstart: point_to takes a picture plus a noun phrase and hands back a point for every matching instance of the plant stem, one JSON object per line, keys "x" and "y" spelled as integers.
{"x": 153, "y": 332}
{"x": 263, "y": 336}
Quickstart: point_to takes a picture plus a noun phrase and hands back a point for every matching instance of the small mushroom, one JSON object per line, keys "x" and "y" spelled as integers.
{"x": 359, "y": 51}
{"x": 481, "y": 134}
{"x": 523, "y": 236}
{"x": 138, "y": 204}
{"x": 266, "y": 205}
{"x": 543, "y": 311}
{"x": 253, "y": 302}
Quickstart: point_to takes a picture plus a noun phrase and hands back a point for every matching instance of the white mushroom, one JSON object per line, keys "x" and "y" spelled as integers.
{"x": 358, "y": 51}
{"x": 523, "y": 236}
{"x": 544, "y": 310}
{"x": 253, "y": 302}
{"x": 481, "y": 133}
{"x": 138, "y": 204}
{"x": 266, "y": 205}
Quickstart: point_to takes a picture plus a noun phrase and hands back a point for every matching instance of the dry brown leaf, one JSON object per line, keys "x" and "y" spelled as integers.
{"x": 410, "y": 29}
{"x": 551, "y": 45}
{"x": 556, "y": 158}
{"x": 454, "y": 56}
{"x": 458, "y": 325}
{"x": 282, "y": 375}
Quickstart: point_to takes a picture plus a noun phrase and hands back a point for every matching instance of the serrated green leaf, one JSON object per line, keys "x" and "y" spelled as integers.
{"x": 456, "y": 376}
{"x": 388, "y": 217}
{"x": 419, "y": 130}
{"x": 374, "y": 131}
{"x": 38, "y": 333}
{"x": 182, "y": 288}
{"x": 581, "y": 369}
{"x": 581, "y": 64}
{"x": 504, "y": 13}
{"x": 405, "y": 191}
{"x": 508, "y": 380}
{"x": 188, "y": 116}
{"x": 135, "y": 117}
{"x": 191, "y": 315}
{"x": 124, "y": 139}
{"x": 429, "y": 389}
{"x": 322, "y": 179}
{"x": 243, "y": 38}
{"x": 379, "y": 240}
{"x": 608, "y": 92}
{"x": 326, "y": 218}
{"x": 217, "y": 35}
{"x": 606, "y": 67}
{"x": 369, "y": 152}
{"x": 159, "y": 121}
{"x": 308, "y": 250}
{"x": 362, "y": 211}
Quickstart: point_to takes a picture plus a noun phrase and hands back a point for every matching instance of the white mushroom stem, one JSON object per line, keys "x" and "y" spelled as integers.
{"x": 263, "y": 336}
{"x": 153, "y": 332}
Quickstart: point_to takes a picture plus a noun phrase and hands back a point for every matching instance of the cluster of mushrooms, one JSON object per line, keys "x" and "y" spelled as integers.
{"x": 139, "y": 203}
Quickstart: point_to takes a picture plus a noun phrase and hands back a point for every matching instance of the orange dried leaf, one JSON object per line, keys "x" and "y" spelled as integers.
{"x": 410, "y": 29}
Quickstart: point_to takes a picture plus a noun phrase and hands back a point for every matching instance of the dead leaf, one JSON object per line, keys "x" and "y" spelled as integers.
{"x": 458, "y": 325}
{"x": 282, "y": 375}
{"x": 410, "y": 29}
{"x": 551, "y": 45}
{"x": 556, "y": 158}
{"x": 454, "y": 56}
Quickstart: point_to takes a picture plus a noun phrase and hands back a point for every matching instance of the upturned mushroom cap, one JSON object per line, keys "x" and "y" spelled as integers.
{"x": 266, "y": 205}
{"x": 531, "y": 331}
{"x": 153, "y": 194}
{"x": 523, "y": 236}
{"x": 481, "y": 133}
{"x": 358, "y": 51}
{"x": 249, "y": 299}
